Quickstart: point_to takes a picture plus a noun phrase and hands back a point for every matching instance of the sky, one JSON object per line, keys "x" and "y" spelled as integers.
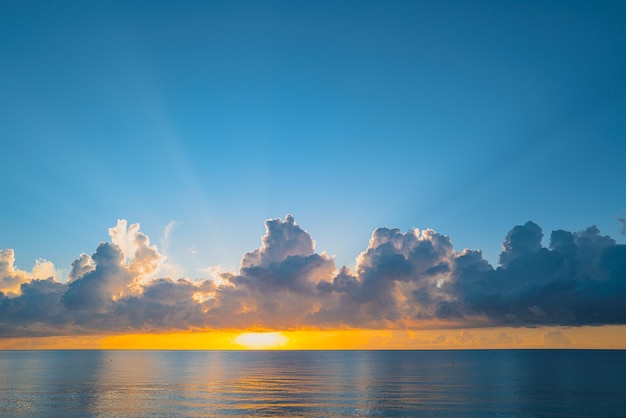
{"x": 263, "y": 146}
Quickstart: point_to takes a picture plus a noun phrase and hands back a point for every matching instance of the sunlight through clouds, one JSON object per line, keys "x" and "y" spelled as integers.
{"x": 414, "y": 280}
{"x": 261, "y": 340}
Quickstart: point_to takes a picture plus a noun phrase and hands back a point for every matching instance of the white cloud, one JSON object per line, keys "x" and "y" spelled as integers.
{"x": 11, "y": 278}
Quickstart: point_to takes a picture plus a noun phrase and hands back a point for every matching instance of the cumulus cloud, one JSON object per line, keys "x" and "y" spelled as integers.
{"x": 520, "y": 243}
{"x": 402, "y": 280}
{"x": 11, "y": 278}
{"x": 142, "y": 259}
{"x": 580, "y": 280}
{"x": 81, "y": 266}
{"x": 282, "y": 239}
{"x": 277, "y": 283}
{"x": 109, "y": 280}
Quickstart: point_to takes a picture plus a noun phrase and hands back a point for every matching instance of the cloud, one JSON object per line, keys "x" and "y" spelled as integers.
{"x": 166, "y": 304}
{"x": 555, "y": 339}
{"x": 281, "y": 240}
{"x": 580, "y": 280}
{"x": 440, "y": 339}
{"x": 167, "y": 234}
{"x": 80, "y": 267}
{"x": 520, "y": 243}
{"x": 35, "y": 311}
{"x": 11, "y": 278}
{"x": 142, "y": 259}
{"x": 98, "y": 289}
{"x": 402, "y": 280}
{"x": 503, "y": 339}
{"x": 466, "y": 337}
{"x": 277, "y": 283}
{"x": 623, "y": 222}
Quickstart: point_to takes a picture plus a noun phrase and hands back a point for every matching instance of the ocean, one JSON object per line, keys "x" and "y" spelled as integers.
{"x": 481, "y": 383}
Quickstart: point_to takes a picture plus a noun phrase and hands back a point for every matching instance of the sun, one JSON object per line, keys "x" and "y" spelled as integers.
{"x": 261, "y": 340}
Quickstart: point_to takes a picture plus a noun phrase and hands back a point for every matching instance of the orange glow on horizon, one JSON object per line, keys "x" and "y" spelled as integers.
{"x": 605, "y": 337}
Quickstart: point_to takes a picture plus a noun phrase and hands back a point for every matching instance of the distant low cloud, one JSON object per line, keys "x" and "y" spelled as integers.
{"x": 555, "y": 339}
{"x": 402, "y": 280}
{"x": 468, "y": 338}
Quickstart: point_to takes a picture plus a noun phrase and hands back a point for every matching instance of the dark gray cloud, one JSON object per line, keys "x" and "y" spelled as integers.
{"x": 413, "y": 279}
{"x": 98, "y": 289}
{"x": 520, "y": 243}
{"x": 36, "y": 311}
{"x": 581, "y": 280}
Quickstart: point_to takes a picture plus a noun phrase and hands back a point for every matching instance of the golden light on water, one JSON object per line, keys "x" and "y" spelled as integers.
{"x": 261, "y": 340}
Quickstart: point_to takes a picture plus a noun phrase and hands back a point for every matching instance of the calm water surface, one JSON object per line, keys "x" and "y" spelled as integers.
{"x": 313, "y": 383}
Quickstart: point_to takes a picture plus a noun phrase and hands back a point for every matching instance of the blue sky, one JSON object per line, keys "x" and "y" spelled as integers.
{"x": 465, "y": 117}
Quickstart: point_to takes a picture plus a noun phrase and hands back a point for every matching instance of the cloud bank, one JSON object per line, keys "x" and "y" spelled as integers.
{"x": 402, "y": 280}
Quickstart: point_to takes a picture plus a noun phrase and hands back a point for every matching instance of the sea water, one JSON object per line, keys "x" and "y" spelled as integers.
{"x": 523, "y": 383}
